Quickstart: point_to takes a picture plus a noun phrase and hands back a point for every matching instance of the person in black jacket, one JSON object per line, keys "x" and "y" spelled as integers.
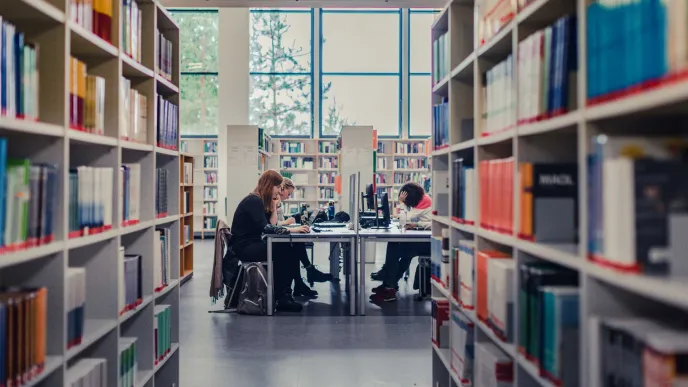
{"x": 256, "y": 215}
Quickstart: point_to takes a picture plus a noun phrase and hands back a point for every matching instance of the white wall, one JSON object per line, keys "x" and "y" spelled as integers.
{"x": 233, "y": 84}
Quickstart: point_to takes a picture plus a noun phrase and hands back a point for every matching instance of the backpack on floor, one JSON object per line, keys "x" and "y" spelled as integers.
{"x": 253, "y": 299}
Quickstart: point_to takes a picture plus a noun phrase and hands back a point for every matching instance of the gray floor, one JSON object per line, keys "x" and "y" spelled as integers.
{"x": 322, "y": 347}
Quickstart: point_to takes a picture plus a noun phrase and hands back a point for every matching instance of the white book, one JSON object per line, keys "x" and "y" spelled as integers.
{"x": 134, "y": 191}
{"x": 157, "y": 261}
{"x": 108, "y": 183}
{"x": 126, "y": 103}
{"x": 488, "y": 359}
{"x": 466, "y": 259}
{"x": 500, "y": 274}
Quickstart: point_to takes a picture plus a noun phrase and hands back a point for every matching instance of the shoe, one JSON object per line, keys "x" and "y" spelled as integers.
{"x": 384, "y": 295}
{"x": 314, "y": 275}
{"x": 383, "y": 287}
{"x": 287, "y": 304}
{"x": 378, "y": 275}
{"x": 302, "y": 290}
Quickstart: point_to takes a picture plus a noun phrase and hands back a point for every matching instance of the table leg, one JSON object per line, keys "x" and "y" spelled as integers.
{"x": 270, "y": 278}
{"x": 361, "y": 276}
{"x": 352, "y": 278}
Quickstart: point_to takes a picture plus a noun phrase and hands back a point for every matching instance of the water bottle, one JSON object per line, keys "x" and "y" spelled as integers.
{"x": 402, "y": 220}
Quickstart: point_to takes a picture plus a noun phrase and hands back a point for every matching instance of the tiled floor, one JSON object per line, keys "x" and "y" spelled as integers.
{"x": 322, "y": 347}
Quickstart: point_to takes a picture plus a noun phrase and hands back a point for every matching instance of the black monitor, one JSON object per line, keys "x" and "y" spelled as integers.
{"x": 369, "y": 198}
{"x": 384, "y": 208}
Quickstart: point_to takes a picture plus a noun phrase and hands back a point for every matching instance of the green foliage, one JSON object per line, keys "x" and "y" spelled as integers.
{"x": 281, "y": 104}
{"x": 199, "y": 53}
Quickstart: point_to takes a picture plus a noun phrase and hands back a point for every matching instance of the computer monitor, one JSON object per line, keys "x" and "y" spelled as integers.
{"x": 369, "y": 198}
{"x": 384, "y": 208}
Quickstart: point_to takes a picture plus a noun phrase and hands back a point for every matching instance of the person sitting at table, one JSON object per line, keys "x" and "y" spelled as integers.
{"x": 312, "y": 273}
{"x": 418, "y": 207}
{"x": 256, "y": 215}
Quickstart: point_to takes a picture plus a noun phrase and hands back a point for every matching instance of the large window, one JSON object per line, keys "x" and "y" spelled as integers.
{"x": 281, "y": 66}
{"x": 199, "y": 70}
{"x": 419, "y": 88}
{"x": 360, "y": 70}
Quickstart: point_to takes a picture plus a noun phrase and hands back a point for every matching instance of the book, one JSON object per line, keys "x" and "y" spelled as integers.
{"x": 18, "y": 73}
{"x": 134, "y": 119}
{"x": 549, "y": 202}
{"x": 167, "y": 125}
{"x": 131, "y": 29}
{"x": 90, "y": 372}
{"x": 482, "y": 281}
{"x": 128, "y": 361}
{"x": 462, "y": 346}
{"x": 440, "y": 124}
{"x": 164, "y": 54}
{"x": 162, "y": 259}
{"x": 162, "y": 331}
{"x": 86, "y": 99}
{"x": 76, "y": 303}
{"x": 496, "y": 195}
{"x": 23, "y": 330}
{"x": 560, "y": 335}
{"x": 624, "y": 70}
{"x": 534, "y": 276}
{"x": 547, "y": 67}
{"x": 635, "y": 188}
{"x": 465, "y": 274}
{"x": 463, "y": 198}
{"x": 162, "y": 176}
{"x": 493, "y": 368}
{"x": 500, "y": 298}
{"x": 440, "y": 322}
{"x": 130, "y": 184}
{"x": 499, "y": 95}
{"x": 90, "y": 200}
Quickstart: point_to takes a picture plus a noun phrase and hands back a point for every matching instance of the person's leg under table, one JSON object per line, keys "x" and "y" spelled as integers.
{"x": 398, "y": 254}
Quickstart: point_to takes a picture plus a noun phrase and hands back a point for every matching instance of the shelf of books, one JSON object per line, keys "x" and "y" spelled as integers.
{"x": 186, "y": 220}
{"x": 558, "y": 191}
{"x": 89, "y": 116}
{"x": 312, "y": 164}
{"x": 398, "y": 162}
{"x": 205, "y": 195}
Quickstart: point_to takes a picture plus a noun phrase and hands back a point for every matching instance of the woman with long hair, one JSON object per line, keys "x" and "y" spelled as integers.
{"x": 312, "y": 273}
{"x": 256, "y": 215}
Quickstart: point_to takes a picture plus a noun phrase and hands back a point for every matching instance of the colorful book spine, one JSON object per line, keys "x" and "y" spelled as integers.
{"x": 161, "y": 181}
{"x": 130, "y": 193}
{"x": 128, "y": 361}
{"x": 440, "y": 125}
{"x": 465, "y": 274}
{"x": 634, "y": 46}
{"x": 168, "y": 125}
{"x": 23, "y": 330}
{"x": 561, "y": 320}
{"x": 86, "y": 99}
{"x": 499, "y": 104}
{"x": 162, "y": 324}
{"x": 162, "y": 259}
{"x": 90, "y": 201}
{"x": 440, "y": 322}
{"x": 496, "y": 194}
{"x": 500, "y": 308}
{"x": 164, "y": 57}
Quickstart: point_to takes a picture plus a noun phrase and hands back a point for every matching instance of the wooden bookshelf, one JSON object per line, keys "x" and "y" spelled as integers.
{"x": 50, "y": 139}
{"x": 186, "y": 219}
{"x": 204, "y": 150}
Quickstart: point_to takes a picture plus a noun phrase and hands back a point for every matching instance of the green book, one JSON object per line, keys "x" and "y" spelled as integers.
{"x": 18, "y": 198}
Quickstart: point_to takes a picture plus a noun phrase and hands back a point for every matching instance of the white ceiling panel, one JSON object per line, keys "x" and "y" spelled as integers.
{"x": 306, "y": 3}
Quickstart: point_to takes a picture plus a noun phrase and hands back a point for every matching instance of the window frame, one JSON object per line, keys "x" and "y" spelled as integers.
{"x": 410, "y": 74}
{"x": 321, "y": 73}
{"x": 197, "y": 73}
{"x": 310, "y": 11}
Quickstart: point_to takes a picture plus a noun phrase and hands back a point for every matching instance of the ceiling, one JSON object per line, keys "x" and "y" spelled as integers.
{"x": 306, "y": 3}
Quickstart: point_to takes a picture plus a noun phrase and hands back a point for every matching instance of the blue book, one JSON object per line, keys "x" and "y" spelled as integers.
{"x": 18, "y": 74}
{"x": 552, "y": 70}
{"x": 3, "y": 66}
{"x": 560, "y": 334}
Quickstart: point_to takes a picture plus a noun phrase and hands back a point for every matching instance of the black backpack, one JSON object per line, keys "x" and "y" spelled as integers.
{"x": 253, "y": 299}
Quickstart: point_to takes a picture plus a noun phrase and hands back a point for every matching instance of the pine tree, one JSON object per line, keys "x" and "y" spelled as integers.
{"x": 281, "y": 104}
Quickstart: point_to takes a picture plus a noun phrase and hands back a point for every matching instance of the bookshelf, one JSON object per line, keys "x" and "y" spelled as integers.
{"x": 116, "y": 140}
{"x": 186, "y": 220}
{"x": 399, "y": 161}
{"x": 204, "y": 150}
{"x": 502, "y": 117}
{"x": 312, "y": 164}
